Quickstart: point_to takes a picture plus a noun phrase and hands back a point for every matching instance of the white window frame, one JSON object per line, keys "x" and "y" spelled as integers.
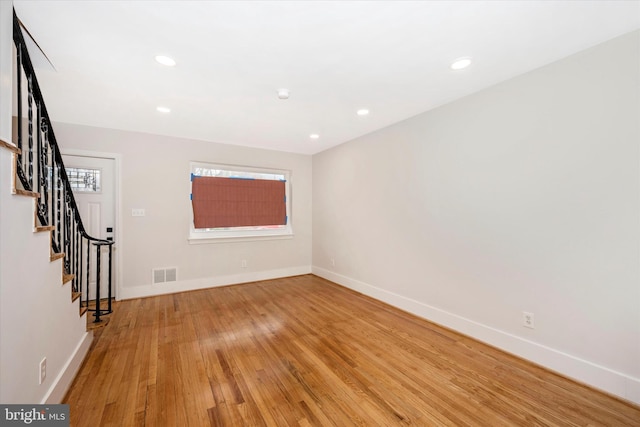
{"x": 235, "y": 234}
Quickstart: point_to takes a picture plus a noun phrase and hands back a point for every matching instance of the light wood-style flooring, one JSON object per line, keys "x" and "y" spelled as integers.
{"x": 303, "y": 351}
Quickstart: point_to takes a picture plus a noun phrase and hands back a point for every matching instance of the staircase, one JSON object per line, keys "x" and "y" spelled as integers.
{"x": 39, "y": 173}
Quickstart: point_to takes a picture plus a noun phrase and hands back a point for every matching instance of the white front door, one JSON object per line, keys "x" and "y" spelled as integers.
{"x": 94, "y": 179}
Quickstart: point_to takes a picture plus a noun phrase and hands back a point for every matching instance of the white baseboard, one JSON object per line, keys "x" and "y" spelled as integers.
{"x": 209, "y": 282}
{"x": 600, "y": 377}
{"x": 63, "y": 381}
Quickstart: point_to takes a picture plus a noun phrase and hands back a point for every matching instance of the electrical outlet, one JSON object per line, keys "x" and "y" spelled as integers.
{"x": 243, "y": 263}
{"x": 527, "y": 320}
{"x": 43, "y": 370}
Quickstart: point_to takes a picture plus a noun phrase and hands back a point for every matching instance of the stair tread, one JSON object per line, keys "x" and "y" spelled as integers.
{"x": 9, "y": 146}
{"x": 91, "y": 325}
{"x": 21, "y": 192}
{"x": 56, "y": 255}
{"x": 68, "y": 277}
{"x": 41, "y": 228}
{"x": 75, "y": 295}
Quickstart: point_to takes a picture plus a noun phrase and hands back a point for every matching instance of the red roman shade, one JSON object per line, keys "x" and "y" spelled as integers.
{"x": 235, "y": 202}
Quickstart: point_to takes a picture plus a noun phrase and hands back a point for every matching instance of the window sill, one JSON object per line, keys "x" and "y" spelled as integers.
{"x": 205, "y": 240}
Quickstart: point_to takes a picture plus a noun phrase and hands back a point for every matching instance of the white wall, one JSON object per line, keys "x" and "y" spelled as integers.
{"x": 522, "y": 197}
{"x": 155, "y": 176}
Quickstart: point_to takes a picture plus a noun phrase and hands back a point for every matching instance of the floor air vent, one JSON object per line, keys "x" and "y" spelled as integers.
{"x": 161, "y": 275}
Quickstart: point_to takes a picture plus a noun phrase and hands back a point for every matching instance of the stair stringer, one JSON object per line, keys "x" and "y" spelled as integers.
{"x": 37, "y": 316}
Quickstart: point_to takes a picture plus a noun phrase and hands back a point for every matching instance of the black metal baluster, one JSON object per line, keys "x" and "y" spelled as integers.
{"x": 97, "y": 313}
{"x": 40, "y": 169}
{"x": 19, "y": 100}
{"x": 80, "y": 277}
{"x": 44, "y": 171}
{"x": 88, "y": 269}
{"x": 72, "y": 257}
{"x": 53, "y": 194}
{"x": 59, "y": 205}
{"x": 49, "y": 178}
{"x": 63, "y": 220}
{"x": 76, "y": 238}
{"x": 67, "y": 231}
{"x": 110, "y": 279}
{"x": 30, "y": 127}
{"x": 53, "y": 202}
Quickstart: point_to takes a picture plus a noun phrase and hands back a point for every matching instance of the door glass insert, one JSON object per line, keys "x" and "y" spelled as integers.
{"x": 84, "y": 179}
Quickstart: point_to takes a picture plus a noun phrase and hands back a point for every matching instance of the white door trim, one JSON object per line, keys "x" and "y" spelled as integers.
{"x": 117, "y": 158}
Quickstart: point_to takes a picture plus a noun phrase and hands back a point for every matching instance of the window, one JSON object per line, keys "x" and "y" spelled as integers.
{"x": 85, "y": 180}
{"x": 239, "y": 202}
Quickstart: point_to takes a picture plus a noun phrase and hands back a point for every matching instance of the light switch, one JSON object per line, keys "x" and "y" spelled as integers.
{"x": 137, "y": 212}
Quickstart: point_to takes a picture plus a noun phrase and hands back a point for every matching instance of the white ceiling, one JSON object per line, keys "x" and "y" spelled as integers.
{"x": 391, "y": 57}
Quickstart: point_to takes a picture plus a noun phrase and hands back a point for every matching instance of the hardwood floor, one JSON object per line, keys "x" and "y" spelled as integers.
{"x": 302, "y": 351}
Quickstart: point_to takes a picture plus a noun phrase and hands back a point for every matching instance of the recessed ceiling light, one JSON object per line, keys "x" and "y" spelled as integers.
{"x": 363, "y": 112}
{"x": 283, "y": 93}
{"x": 314, "y": 136}
{"x": 163, "y": 109}
{"x": 460, "y": 63}
{"x": 165, "y": 60}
